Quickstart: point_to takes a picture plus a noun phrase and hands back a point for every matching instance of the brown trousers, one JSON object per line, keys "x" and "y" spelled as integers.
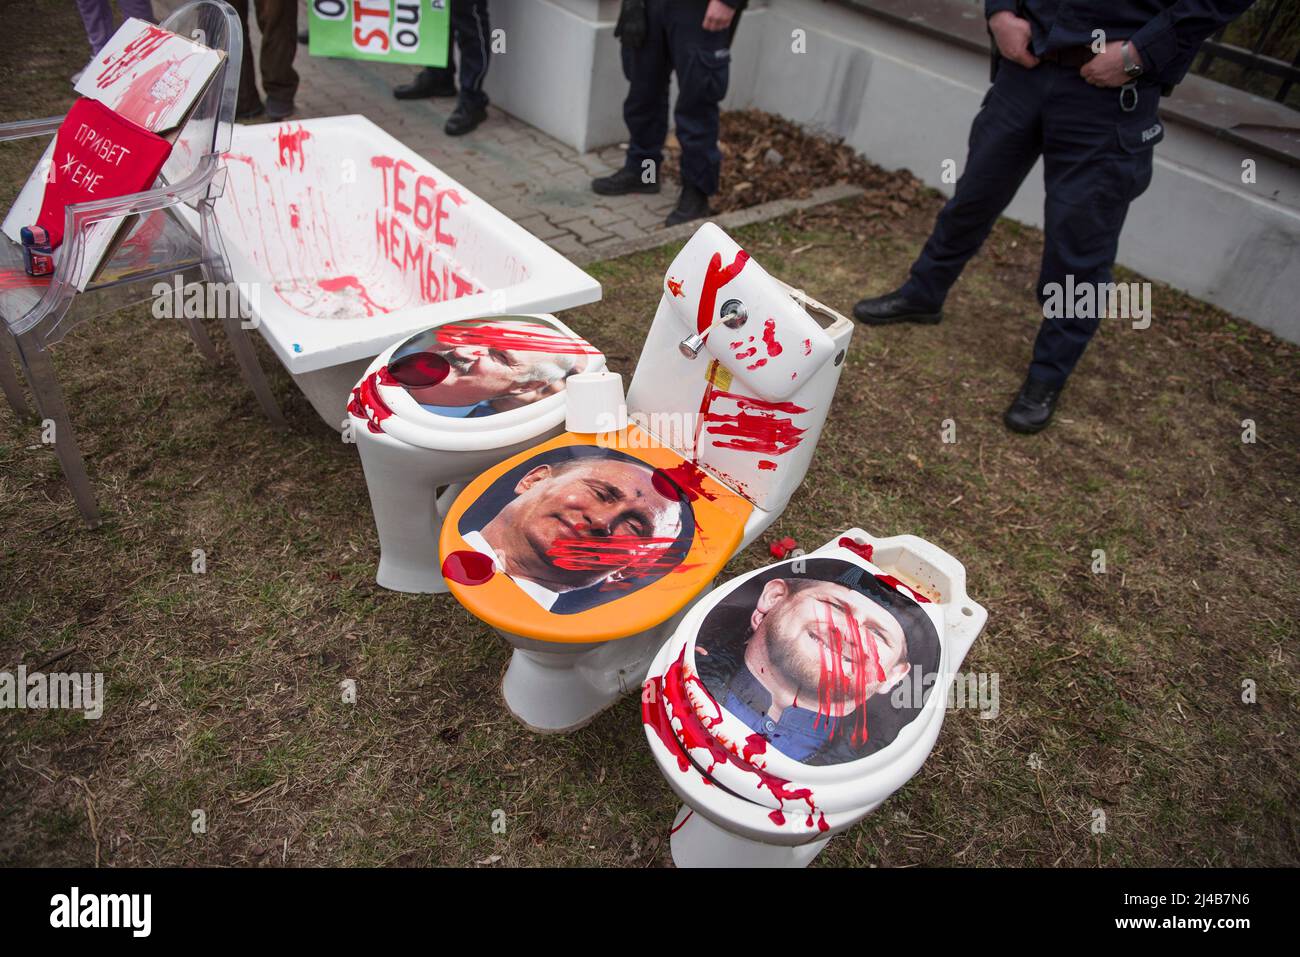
{"x": 278, "y": 21}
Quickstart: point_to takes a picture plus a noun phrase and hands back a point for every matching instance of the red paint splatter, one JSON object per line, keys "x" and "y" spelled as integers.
{"x": 834, "y": 685}
{"x": 807, "y": 347}
{"x": 694, "y": 733}
{"x": 419, "y": 370}
{"x": 757, "y": 426}
{"x": 686, "y": 478}
{"x": 295, "y": 220}
{"x": 757, "y": 365}
{"x": 782, "y": 547}
{"x": 138, "y": 50}
{"x": 774, "y": 348}
{"x": 777, "y": 818}
{"x": 892, "y": 582}
{"x": 352, "y": 282}
{"x": 150, "y": 95}
{"x": 715, "y": 277}
{"x": 675, "y": 287}
{"x": 767, "y": 465}
{"x": 15, "y": 279}
{"x": 290, "y": 142}
{"x": 633, "y": 554}
{"x": 366, "y": 402}
{"x": 513, "y": 338}
{"x": 863, "y": 550}
{"x": 468, "y": 568}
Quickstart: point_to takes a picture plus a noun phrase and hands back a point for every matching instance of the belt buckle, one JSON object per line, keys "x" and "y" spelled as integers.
{"x": 1128, "y": 97}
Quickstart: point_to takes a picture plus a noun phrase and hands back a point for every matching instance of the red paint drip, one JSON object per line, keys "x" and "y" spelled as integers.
{"x": 419, "y": 369}
{"x": 774, "y": 348}
{"x": 835, "y": 685}
{"x": 366, "y": 402}
{"x": 864, "y": 550}
{"x": 715, "y": 277}
{"x": 465, "y": 567}
{"x": 767, "y": 465}
{"x": 670, "y": 688}
{"x": 636, "y": 554}
{"x": 513, "y": 338}
{"x": 290, "y": 142}
{"x": 352, "y": 282}
{"x": 807, "y": 347}
{"x": 687, "y": 477}
{"x": 892, "y": 582}
{"x": 757, "y": 426}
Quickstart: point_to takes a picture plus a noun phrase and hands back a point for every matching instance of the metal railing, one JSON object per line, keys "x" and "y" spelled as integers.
{"x": 1260, "y": 35}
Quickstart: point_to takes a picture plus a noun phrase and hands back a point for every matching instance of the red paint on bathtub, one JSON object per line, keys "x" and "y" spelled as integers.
{"x": 290, "y": 143}
{"x": 351, "y": 282}
{"x": 465, "y": 567}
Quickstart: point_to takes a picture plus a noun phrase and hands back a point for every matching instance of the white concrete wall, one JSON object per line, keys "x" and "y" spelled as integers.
{"x": 906, "y": 100}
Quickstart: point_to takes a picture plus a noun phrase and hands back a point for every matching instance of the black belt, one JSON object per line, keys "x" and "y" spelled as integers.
{"x": 1071, "y": 57}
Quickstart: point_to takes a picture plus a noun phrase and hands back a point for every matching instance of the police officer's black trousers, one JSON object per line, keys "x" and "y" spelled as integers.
{"x": 1096, "y": 160}
{"x": 470, "y": 37}
{"x": 676, "y": 40}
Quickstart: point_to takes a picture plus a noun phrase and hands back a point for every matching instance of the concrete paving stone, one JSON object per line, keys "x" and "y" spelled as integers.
{"x": 587, "y": 231}
{"x": 541, "y": 227}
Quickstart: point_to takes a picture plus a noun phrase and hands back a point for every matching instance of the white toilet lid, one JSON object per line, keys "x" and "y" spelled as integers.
{"x": 459, "y": 383}
{"x": 769, "y": 635}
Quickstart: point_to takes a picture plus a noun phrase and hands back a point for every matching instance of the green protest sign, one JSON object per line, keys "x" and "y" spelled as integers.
{"x": 395, "y": 31}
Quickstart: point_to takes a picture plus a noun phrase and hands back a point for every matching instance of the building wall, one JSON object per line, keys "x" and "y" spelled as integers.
{"x": 905, "y": 100}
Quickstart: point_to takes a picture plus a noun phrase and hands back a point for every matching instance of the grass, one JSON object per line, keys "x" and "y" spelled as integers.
{"x": 1120, "y": 692}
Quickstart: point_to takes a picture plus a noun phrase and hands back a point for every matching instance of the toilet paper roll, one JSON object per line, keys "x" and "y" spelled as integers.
{"x": 594, "y": 402}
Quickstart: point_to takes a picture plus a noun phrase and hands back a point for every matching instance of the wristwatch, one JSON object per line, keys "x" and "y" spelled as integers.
{"x": 1131, "y": 69}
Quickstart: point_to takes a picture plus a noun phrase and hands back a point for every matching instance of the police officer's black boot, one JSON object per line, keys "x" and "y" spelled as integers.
{"x": 428, "y": 82}
{"x": 1032, "y": 408}
{"x": 894, "y": 307}
{"x": 692, "y": 204}
{"x": 622, "y": 182}
{"x": 465, "y": 118}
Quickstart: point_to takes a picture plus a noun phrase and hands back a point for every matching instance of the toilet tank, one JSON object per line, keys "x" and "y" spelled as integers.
{"x": 749, "y": 408}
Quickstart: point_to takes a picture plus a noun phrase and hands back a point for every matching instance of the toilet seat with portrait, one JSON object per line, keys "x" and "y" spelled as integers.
{"x": 473, "y": 383}
{"x": 585, "y": 539}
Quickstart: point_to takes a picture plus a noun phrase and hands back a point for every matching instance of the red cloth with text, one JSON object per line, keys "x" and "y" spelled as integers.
{"x": 98, "y": 155}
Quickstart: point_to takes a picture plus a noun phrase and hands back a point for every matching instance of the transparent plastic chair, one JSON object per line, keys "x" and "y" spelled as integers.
{"x": 36, "y": 314}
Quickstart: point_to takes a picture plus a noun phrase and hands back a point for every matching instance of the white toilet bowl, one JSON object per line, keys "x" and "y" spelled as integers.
{"x": 873, "y": 629}
{"x": 438, "y": 408}
{"x": 585, "y": 551}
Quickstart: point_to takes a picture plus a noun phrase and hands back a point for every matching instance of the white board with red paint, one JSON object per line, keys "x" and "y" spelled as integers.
{"x": 145, "y": 74}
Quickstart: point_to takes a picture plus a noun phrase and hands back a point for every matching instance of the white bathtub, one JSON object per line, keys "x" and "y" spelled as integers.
{"x": 346, "y": 240}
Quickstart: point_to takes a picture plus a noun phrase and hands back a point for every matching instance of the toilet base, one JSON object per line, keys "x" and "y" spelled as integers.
{"x": 546, "y": 694}
{"x": 397, "y": 576}
{"x": 698, "y": 842}
{"x": 553, "y": 688}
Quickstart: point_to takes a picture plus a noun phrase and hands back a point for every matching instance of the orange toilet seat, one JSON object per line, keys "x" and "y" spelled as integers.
{"x": 667, "y": 531}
